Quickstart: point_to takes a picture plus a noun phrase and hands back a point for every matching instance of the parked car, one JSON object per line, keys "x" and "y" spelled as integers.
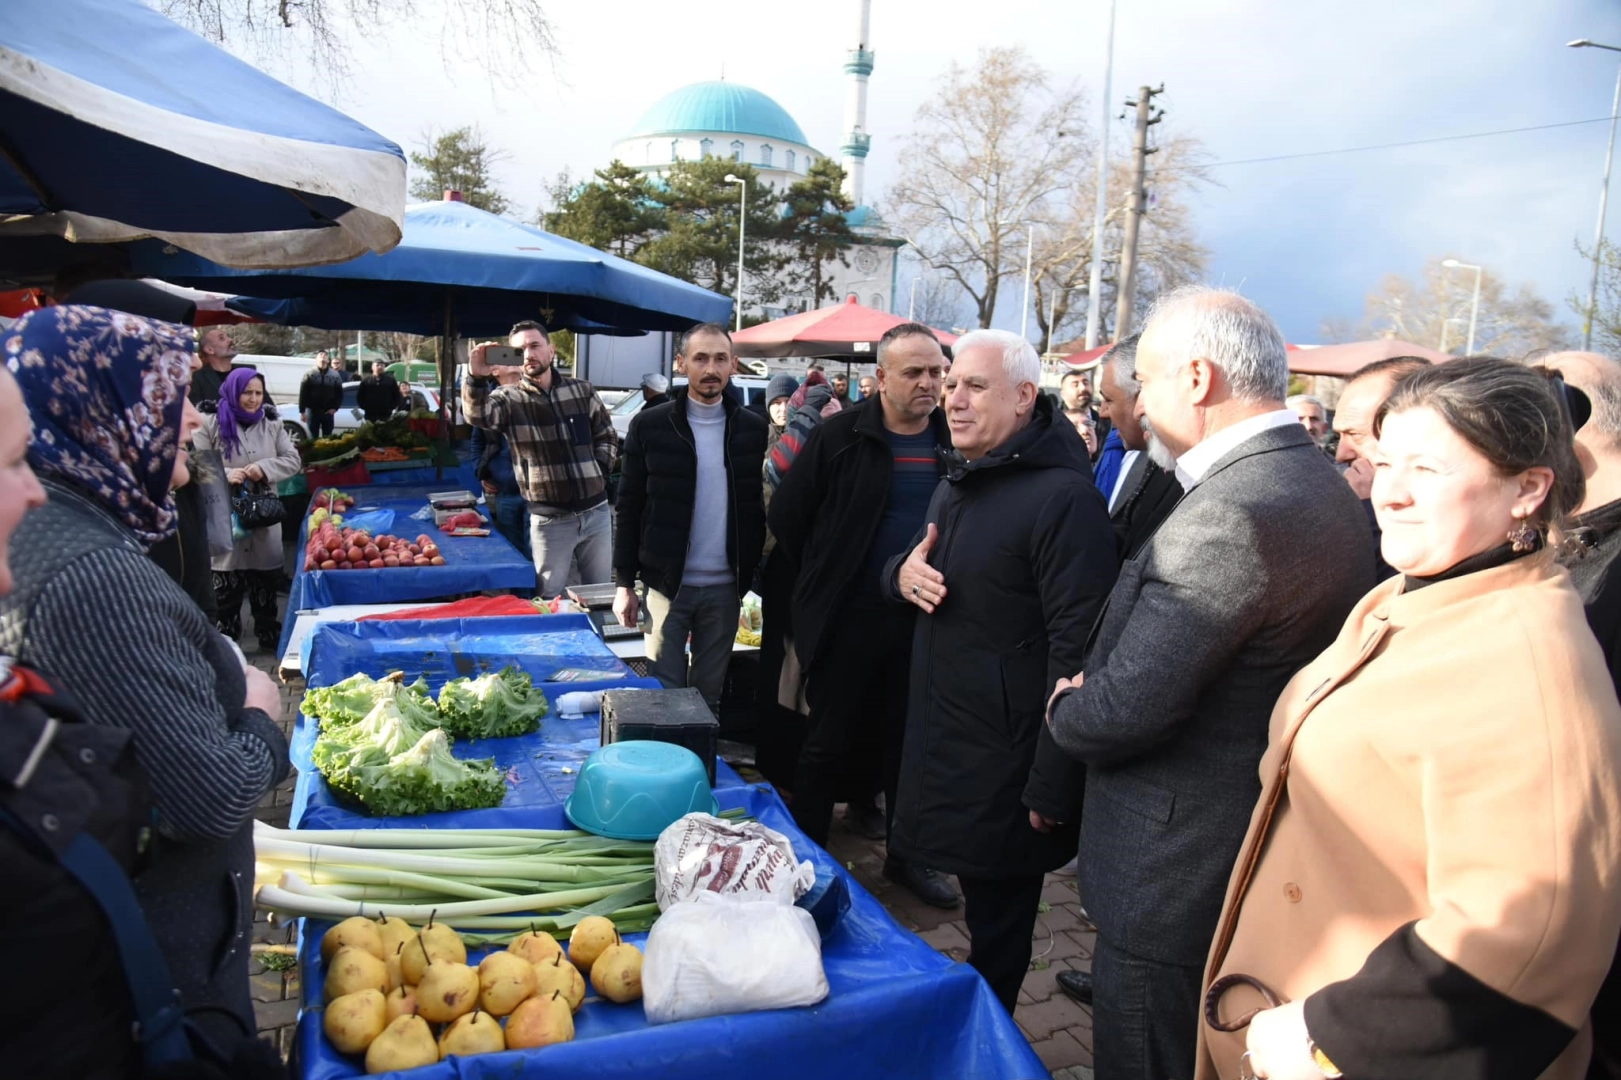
{"x": 752, "y": 389}
{"x": 349, "y": 416}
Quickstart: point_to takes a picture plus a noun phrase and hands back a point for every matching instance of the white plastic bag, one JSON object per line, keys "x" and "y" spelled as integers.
{"x": 700, "y": 853}
{"x": 715, "y": 955}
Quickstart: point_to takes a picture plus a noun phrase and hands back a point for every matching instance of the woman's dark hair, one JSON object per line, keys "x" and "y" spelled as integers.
{"x": 1514, "y": 416}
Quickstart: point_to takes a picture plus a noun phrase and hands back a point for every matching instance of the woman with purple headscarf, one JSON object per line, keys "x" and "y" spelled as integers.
{"x": 258, "y": 453}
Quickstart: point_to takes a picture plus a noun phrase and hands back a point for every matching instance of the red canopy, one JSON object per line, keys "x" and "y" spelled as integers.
{"x": 1343, "y": 360}
{"x": 848, "y": 329}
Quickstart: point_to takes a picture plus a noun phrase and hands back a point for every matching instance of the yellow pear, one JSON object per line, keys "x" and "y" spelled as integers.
{"x": 354, "y": 1020}
{"x": 393, "y": 931}
{"x": 447, "y": 990}
{"x": 563, "y": 978}
{"x": 503, "y": 981}
{"x": 358, "y": 932}
{"x": 401, "y": 1001}
{"x": 407, "y": 1043}
{"x": 591, "y": 935}
{"x": 476, "y": 1033}
{"x": 617, "y": 974}
{"x": 392, "y": 963}
{"x": 540, "y": 1021}
{"x": 534, "y": 947}
{"x": 436, "y": 942}
{"x": 353, "y": 969}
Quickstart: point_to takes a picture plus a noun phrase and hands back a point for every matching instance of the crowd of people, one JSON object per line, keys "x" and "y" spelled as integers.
{"x": 1321, "y": 701}
{"x": 1315, "y": 695}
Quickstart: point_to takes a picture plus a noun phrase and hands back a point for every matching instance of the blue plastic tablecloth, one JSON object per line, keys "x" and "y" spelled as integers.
{"x": 895, "y": 1008}
{"x": 472, "y": 563}
{"x": 541, "y": 767}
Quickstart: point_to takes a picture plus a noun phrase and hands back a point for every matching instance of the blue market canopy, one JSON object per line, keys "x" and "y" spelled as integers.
{"x": 455, "y": 261}
{"x": 117, "y": 124}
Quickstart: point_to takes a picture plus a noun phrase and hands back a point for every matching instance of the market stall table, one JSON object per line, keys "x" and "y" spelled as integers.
{"x": 472, "y": 564}
{"x": 896, "y": 1007}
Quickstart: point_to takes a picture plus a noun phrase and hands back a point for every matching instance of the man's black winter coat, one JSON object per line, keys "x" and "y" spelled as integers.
{"x": 828, "y": 510}
{"x": 1028, "y": 557}
{"x": 659, "y": 483}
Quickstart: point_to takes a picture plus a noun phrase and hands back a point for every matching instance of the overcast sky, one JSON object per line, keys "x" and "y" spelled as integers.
{"x": 1252, "y": 78}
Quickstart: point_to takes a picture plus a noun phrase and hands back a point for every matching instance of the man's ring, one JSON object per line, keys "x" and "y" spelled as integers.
{"x": 915, "y": 589}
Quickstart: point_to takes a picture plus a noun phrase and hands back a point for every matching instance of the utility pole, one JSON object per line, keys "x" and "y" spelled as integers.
{"x": 1100, "y": 213}
{"x": 1126, "y": 293}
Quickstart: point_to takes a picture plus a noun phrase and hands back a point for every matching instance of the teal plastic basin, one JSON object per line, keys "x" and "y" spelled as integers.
{"x": 635, "y": 790}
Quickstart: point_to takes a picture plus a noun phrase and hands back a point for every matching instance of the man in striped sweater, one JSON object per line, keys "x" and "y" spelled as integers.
{"x": 563, "y": 445}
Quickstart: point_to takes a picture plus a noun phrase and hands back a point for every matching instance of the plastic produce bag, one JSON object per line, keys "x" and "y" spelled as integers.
{"x": 376, "y": 522}
{"x": 721, "y": 954}
{"x": 208, "y": 473}
{"x": 701, "y": 854}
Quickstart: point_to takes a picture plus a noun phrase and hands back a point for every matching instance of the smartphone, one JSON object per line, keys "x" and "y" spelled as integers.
{"x": 503, "y": 356}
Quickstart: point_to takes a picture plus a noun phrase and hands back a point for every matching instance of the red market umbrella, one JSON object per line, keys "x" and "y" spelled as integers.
{"x": 843, "y": 330}
{"x": 1344, "y": 360}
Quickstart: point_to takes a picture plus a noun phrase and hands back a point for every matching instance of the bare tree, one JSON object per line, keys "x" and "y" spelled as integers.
{"x": 1168, "y": 251}
{"x": 997, "y": 149}
{"x": 1434, "y": 311}
{"x": 321, "y": 30}
{"x": 938, "y": 301}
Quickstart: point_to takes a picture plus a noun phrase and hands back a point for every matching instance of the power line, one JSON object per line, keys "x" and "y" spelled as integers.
{"x": 1410, "y": 142}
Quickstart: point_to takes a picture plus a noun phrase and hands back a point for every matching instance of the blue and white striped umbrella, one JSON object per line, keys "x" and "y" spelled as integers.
{"x": 117, "y": 124}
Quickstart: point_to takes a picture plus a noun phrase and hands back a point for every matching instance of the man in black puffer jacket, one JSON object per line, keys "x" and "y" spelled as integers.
{"x": 1010, "y": 572}
{"x": 691, "y": 516}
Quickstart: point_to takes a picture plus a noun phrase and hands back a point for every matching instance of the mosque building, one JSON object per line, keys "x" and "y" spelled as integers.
{"x": 726, "y": 120}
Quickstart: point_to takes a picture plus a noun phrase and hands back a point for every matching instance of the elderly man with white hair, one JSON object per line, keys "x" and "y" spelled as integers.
{"x": 1010, "y": 571}
{"x": 1251, "y": 576}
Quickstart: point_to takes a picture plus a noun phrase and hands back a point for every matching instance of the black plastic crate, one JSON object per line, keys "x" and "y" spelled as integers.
{"x": 672, "y": 716}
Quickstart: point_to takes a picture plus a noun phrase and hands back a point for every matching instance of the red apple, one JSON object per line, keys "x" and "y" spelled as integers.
{"x": 328, "y": 564}
{"x": 375, "y": 564}
{"x": 438, "y": 560}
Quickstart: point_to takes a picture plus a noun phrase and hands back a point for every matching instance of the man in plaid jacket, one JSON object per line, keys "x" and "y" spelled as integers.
{"x": 563, "y": 445}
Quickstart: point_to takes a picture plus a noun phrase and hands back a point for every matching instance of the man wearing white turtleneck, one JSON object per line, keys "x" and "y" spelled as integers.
{"x": 690, "y": 517}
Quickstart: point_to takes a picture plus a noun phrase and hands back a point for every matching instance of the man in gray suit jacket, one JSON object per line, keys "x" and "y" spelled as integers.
{"x": 1249, "y": 578}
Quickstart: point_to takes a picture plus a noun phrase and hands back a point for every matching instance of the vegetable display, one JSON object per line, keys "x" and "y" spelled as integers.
{"x": 491, "y": 706}
{"x": 333, "y": 548}
{"x": 394, "y": 757}
{"x": 388, "y": 986}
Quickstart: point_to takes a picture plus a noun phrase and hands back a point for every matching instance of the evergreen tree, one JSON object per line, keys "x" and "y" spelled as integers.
{"x": 459, "y": 160}
{"x": 815, "y": 230}
{"x": 701, "y": 223}
{"x": 616, "y": 212}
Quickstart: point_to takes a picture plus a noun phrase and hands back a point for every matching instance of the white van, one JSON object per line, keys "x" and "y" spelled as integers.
{"x": 283, "y": 375}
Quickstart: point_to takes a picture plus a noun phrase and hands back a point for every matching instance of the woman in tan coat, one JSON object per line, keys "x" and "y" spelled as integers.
{"x": 258, "y": 454}
{"x": 1431, "y": 883}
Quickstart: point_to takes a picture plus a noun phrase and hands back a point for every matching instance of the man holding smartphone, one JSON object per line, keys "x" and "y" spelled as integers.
{"x": 562, "y": 444}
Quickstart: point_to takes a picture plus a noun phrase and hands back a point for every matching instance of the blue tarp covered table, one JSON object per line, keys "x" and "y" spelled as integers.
{"x": 896, "y": 1007}
{"x": 472, "y": 563}
{"x": 541, "y": 767}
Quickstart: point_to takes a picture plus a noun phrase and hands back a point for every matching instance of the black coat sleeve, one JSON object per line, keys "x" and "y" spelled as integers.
{"x": 1073, "y": 555}
{"x": 1412, "y": 1014}
{"x": 798, "y": 497}
{"x": 631, "y": 505}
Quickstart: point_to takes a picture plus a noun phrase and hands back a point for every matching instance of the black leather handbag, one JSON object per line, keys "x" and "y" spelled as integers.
{"x": 255, "y": 509}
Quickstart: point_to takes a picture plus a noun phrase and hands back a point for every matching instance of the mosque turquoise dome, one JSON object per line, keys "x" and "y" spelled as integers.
{"x": 719, "y": 107}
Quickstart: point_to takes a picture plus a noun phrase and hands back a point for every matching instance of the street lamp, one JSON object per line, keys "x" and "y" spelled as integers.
{"x": 1603, "y": 194}
{"x": 742, "y": 221}
{"x": 1474, "y": 306}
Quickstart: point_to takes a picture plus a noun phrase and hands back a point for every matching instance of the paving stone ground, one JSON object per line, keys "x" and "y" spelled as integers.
{"x": 1059, "y": 1030}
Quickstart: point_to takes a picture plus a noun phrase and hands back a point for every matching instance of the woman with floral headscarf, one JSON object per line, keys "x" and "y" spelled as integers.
{"x": 258, "y": 453}
{"x": 88, "y": 609}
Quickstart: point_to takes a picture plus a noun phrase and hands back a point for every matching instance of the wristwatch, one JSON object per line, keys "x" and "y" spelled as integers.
{"x": 1320, "y": 1059}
